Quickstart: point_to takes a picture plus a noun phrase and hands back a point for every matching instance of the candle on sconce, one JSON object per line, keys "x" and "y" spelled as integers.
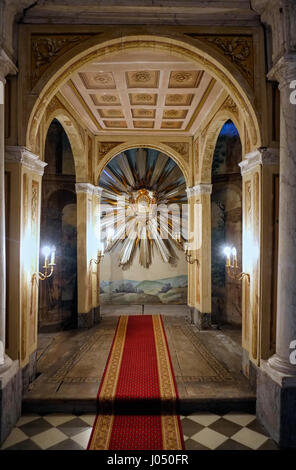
{"x": 46, "y": 253}
{"x": 234, "y": 255}
{"x": 52, "y": 259}
{"x": 227, "y": 252}
{"x": 101, "y": 249}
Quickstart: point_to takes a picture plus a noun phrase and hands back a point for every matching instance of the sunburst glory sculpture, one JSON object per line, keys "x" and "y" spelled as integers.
{"x": 143, "y": 206}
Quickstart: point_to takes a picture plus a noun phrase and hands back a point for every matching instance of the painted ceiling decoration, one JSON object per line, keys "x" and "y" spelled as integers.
{"x": 152, "y": 213}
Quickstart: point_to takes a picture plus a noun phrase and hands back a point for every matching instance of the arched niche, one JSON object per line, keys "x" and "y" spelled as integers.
{"x": 136, "y": 282}
{"x": 58, "y": 296}
{"x": 226, "y": 226}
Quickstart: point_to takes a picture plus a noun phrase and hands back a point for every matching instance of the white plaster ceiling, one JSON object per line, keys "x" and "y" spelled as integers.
{"x": 140, "y": 91}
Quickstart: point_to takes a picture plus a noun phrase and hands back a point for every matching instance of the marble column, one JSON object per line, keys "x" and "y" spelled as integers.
{"x": 200, "y": 301}
{"x": 10, "y": 376}
{"x": 285, "y": 72}
{"x": 276, "y": 402}
{"x": 2, "y": 227}
{"x": 6, "y": 67}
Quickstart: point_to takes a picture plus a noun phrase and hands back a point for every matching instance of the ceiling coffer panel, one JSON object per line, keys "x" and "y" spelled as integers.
{"x": 147, "y": 92}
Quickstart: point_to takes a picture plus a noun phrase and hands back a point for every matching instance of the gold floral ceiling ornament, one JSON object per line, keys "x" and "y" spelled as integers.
{"x": 143, "y": 206}
{"x": 108, "y": 98}
{"x": 144, "y": 97}
{"x": 177, "y": 98}
{"x": 103, "y": 78}
{"x": 182, "y": 76}
{"x": 142, "y": 77}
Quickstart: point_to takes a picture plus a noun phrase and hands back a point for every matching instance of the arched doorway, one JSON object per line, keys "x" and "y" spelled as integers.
{"x": 223, "y": 90}
{"x": 58, "y": 295}
{"x": 146, "y": 265}
{"x": 226, "y": 216}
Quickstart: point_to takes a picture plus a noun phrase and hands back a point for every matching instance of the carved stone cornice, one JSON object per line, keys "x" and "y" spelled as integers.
{"x": 6, "y": 65}
{"x": 280, "y": 16}
{"x": 24, "y": 157}
{"x": 88, "y": 188}
{"x": 262, "y": 156}
{"x": 199, "y": 189}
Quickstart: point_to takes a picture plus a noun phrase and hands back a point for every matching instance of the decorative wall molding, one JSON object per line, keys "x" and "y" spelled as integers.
{"x": 105, "y": 147}
{"x": 88, "y": 188}
{"x": 47, "y": 48}
{"x": 23, "y": 156}
{"x": 261, "y": 156}
{"x": 199, "y": 189}
{"x": 230, "y": 105}
{"x": 238, "y": 49}
{"x": 6, "y": 66}
{"x": 181, "y": 147}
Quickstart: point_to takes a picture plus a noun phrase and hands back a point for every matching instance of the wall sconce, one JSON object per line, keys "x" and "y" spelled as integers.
{"x": 100, "y": 256}
{"x": 232, "y": 268}
{"x": 188, "y": 256}
{"x": 49, "y": 253}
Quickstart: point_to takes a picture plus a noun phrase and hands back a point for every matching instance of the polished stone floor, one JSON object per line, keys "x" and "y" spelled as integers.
{"x": 202, "y": 431}
{"x": 207, "y": 365}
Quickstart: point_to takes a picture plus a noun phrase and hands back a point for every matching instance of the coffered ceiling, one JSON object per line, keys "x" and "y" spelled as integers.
{"x": 142, "y": 92}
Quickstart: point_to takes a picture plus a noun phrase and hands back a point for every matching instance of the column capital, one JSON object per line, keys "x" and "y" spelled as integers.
{"x": 201, "y": 188}
{"x": 7, "y": 66}
{"x": 284, "y": 71}
{"x": 262, "y": 156}
{"x": 279, "y": 16}
{"x": 88, "y": 188}
{"x": 26, "y": 158}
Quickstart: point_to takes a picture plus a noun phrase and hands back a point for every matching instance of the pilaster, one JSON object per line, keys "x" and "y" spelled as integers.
{"x": 88, "y": 215}
{"x": 199, "y": 274}
{"x": 23, "y": 172}
{"x": 259, "y": 172}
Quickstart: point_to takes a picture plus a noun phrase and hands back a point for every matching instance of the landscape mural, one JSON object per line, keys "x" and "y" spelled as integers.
{"x": 172, "y": 290}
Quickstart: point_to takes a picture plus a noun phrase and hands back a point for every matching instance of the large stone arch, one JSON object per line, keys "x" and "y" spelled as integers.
{"x": 97, "y": 47}
{"x": 209, "y": 140}
{"x": 77, "y": 146}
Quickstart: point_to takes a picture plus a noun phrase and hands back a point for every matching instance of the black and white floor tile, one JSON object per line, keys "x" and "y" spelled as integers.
{"x": 202, "y": 431}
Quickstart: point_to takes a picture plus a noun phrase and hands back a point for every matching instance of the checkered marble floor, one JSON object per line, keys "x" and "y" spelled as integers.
{"x": 202, "y": 431}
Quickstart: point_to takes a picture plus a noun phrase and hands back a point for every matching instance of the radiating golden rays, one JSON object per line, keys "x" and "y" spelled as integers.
{"x": 143, "y": 206}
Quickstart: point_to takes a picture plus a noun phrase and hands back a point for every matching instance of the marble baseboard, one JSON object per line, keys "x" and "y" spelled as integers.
{"x": 10, "y": 399}
{"x": 249, "y": 369}
{"x": 29, "y": 371}
{"x": 200, "y": 319}
{"x": 276, "y": 409}
{"x": 89, "y": 319}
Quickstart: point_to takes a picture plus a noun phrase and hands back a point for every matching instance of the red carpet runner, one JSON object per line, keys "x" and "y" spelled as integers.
{"x": 138, "y": 379}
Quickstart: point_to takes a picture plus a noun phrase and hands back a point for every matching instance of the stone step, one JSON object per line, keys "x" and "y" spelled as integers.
{"x": 220, "y": 405}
